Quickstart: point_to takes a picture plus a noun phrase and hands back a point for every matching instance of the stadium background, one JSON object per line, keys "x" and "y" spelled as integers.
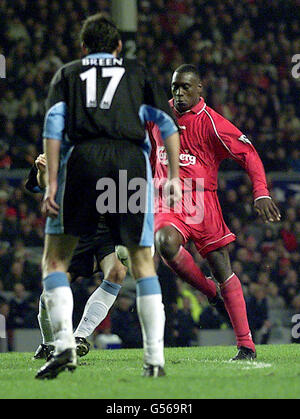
{"x": 244, "y": 52}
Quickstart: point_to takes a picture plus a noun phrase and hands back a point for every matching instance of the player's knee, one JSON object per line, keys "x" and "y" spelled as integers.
{"x": 51, "y": 264}
{"x": 167, "y": 243}
{"x": 142, "y": 264}
{"x": 117, "y": 274}
{"x": 219, "y": 262}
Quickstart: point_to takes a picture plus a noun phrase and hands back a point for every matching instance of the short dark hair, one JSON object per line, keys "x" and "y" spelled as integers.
{"x": 188, "y": 68}
{"x": 99, "y": 34}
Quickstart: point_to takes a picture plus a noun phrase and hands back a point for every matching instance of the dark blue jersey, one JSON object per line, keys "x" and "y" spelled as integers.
{"x": 100, "y": 97}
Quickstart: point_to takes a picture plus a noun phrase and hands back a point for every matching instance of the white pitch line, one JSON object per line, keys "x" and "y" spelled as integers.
{"x": 250, "y": 364}
{"x": 245, "y": 365}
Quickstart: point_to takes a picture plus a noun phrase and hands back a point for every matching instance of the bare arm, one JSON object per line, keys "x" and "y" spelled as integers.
{"x": 52, "y": 150}
{"x": 172, "y": 144}
{"x": 40, "y": 164}
{"x": 237, "y": 146}
{"x": 173, "y": 186}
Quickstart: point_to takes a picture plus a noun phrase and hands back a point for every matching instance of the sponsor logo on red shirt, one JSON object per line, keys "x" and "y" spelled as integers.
{"x": 185, "y": 159}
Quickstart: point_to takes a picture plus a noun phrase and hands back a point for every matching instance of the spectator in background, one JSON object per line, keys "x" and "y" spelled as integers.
{"x": 288, "y": 236}
{"x": 5, "y": 258}
{"x": 263, "y": 279}
{"x": 4, "y": 195}
{"x": 5, "y": 160}
{"x": 276, "y": 305}
{"x": 14, "y": 276}
{"x": 210, "y": 318}
{"x": 31, "y": 319}
{"x": 294, "y": 160}
{"x": 274, "y": 300}
{"x": 268, "y": 242}
{"x": 25, "y": 157}
{"x": 249, "y": 266}
{"x": 297, "y": 232}
{"x": 185, "y": 291}
{"x": 10, "y": 225}
{"x": 185, "y": 329}
{"x": 125, "y": 324}
{"x": 21, "y": 121}
{"x": 9, "y": 104}
{"x": 29, "y": 235}
{"x": 14, "y": 141}
{"x": 19, "y": 306}
{"x": 258, "y": 317}
{"x": 290, "y": 286}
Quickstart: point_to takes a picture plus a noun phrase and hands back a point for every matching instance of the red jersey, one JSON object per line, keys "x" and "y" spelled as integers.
{"x": 206, "y": 139}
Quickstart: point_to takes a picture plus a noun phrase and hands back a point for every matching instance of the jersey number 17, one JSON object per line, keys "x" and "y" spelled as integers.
{"x": 90, "y": 76}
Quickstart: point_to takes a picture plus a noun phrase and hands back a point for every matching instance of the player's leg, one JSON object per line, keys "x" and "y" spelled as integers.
{"x": 150, "y": 309}
{"x": 45, "y": 349}
{"x": 102, "y": 299}
{"x": 97, "y": 252}
{"x": 58, "y": 296}
{"x": 211, "y": 238}
{"x": 136, "y": 231}
{"x": 169, "y": 242}
{"x": 232, "y": 293}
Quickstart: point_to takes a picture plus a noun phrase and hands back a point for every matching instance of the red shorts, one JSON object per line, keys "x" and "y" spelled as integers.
{"x": 209, "y": 234}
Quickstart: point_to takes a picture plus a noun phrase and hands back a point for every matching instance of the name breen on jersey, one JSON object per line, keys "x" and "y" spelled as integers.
{"x": 185, "y": 159}
{"x": 102, "y": 61}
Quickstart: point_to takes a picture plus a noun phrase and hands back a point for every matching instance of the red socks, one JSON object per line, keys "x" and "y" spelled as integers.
{"x": 231, "y": 290}
{"x": 232, "y": 293}
{"x": 184, "y": 266}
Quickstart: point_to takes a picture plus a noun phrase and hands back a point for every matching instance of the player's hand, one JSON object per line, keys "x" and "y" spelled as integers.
{"x": 267, "y": 210}
{"x": 49, "y": 207}
{"x": 41, "y": 162}
{"x": 173, "y": 191}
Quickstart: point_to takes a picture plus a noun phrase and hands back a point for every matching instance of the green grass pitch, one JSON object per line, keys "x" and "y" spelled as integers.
{"x": 192, "y": 373}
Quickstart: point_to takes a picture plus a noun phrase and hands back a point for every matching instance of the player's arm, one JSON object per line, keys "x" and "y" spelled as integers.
{"x": 152, "y": 157}
{"x": 170, "y": 136}
{"x": 31, "y": 183}
{"x": 40, "y": 164}
{"x": 52, "y": 152}
{"x": 54, "y": 127}
{"x": 232, "y": 143}
{"x": 173, "y": 186}
{"x": 36, "y": 180}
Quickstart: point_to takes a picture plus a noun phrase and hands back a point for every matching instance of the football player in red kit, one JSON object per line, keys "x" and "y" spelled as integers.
{"x": 207, "y": 138}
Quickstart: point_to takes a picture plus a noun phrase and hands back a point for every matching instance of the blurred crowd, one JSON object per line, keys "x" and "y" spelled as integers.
{"x": 243, "y": 51}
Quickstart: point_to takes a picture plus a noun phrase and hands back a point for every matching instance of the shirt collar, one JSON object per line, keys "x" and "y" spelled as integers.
{"x": 100, "y": 55}
{"x": 194, "y": 110}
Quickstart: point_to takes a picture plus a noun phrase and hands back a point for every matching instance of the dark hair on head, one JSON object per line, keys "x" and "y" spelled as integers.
{"x": 99, "y": 34}
{"x": 188, "y": 68}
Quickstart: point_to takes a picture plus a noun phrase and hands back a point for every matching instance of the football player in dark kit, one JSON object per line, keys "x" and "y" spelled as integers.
{"x": 94, "y": 252}
{"x": 94, "y": 129}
